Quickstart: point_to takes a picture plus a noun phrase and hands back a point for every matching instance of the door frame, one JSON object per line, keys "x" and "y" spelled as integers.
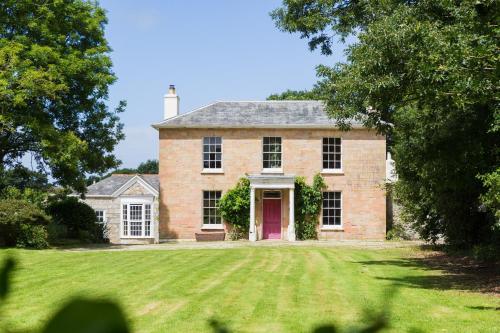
{"x": 281, "y": 210}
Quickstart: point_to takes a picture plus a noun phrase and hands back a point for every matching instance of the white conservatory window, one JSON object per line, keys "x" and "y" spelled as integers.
{"x": 136, "y": 220}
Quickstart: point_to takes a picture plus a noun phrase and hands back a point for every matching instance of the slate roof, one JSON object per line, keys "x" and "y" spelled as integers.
{"x": 109, "y": 185}
{"x": 264, "y": 114}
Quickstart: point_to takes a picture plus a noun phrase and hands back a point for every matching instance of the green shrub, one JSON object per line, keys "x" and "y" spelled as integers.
{"x": 234, "y": 207}
{"x": 35, "y": 196}
{"x": 491, "y": 198}
{"x": 486, "y": 252}
{"x": 308, "y": 201}
{"x": 237, "y": 232}
{"x": 78, "y": 218}
{"x": 33, "y": 236}
{"x": 23, "y": 224}
{"x": 56, "y": 232}
{"x": 398, "y": 232}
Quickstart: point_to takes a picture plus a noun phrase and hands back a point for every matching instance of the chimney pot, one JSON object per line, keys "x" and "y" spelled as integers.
{"x": 170, "y": 103}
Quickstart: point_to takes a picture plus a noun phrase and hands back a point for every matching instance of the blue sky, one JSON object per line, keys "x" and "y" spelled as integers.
{"x": 211, "y": 50}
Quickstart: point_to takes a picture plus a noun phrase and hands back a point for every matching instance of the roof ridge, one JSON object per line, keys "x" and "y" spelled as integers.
{"x": 275, "y": 101}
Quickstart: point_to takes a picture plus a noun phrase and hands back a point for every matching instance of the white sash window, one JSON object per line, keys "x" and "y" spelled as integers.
{"x": 136, "y": 220}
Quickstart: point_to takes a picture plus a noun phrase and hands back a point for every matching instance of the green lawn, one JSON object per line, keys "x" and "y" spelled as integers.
{"x": 250, "y": 289}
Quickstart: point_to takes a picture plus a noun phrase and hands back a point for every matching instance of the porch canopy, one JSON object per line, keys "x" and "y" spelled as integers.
{"x": 272, "y": 182}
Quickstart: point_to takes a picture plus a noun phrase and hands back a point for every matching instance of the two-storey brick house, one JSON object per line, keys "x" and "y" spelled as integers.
{"x": 204, "y": 152}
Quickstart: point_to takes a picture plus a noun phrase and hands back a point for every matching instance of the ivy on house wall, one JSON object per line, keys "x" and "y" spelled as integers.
{"x": 308, "y": 200}
{"x": 234, "y": 207}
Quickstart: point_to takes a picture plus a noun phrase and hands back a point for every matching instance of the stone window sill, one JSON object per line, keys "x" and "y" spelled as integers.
{"x": 212, "y": 171}
{"x": 332, "y": 172}
{"x": 272, "y": 170}
{"x": 328, "y": 228}
{"x": 212, "y": 227}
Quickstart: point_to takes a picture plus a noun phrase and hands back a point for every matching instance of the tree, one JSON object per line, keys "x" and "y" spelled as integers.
{"x": 148, "y": 167}
{"x": 22, "y": 178}
{"x": 55, "y": 71}
{"x": 318, "y": 92}
{"x": 424, "y": 73}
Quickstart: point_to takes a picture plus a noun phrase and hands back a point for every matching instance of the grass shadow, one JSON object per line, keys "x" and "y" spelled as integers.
{"x": 458, "y": 272}
{"x": 496, "y": 308}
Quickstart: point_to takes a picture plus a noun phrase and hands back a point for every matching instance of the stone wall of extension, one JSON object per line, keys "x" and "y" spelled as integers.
{"x": 182, "y": 180}
{"x": 112, "y": 206}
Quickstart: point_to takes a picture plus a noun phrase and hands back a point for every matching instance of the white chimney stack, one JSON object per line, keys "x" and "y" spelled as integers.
{"x": 170, "y": 103}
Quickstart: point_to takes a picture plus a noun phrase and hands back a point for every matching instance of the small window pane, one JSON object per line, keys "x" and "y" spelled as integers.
{"x": 332, "y": 153}
{"x": 147, "y": 220}
{"x": 271, "y": 152}
{"x": 99, "y": 214}
{"x": 212, "y": 152}
{"x": 125, "y": 220}
{"x": 332, "y": 210}
{"x": 211, "y": 213}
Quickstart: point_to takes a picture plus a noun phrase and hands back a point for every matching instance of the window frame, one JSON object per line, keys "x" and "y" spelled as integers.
{"x": 275, "y": 169}
{"x": 137, "y": 201}
{"x": 212, "y": 170}
{"x": 103, "y": 211}
{"x": 210, "y": 226}
{"x": 334, "y": 170}
{"x": 333, "y": 226}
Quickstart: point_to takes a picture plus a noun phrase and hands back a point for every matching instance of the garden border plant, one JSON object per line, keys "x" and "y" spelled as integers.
{"x": 308, "y": 201}
{"x": 234, "y": 207}
{"x": 23, "y": 224}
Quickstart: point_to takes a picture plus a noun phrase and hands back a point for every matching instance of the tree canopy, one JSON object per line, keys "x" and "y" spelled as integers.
{"x": 55, "y": 72}
{"x": 150, "y": 166}
{"x": 318, "y": 92}
{"x": 426, "y": 74}
{"x": 147, "y": 167}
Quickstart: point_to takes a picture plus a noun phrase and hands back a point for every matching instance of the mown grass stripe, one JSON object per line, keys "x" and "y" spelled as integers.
{"x": 250, "y": 289}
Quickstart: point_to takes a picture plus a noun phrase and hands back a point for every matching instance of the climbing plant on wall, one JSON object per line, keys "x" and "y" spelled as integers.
{"x": 308, "y": 199}
{"x": 234, "y": 207}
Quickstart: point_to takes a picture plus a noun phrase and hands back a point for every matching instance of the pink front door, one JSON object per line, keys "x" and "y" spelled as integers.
{"x": 272, "y": 219}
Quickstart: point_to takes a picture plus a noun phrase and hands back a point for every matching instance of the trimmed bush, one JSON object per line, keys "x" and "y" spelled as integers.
{"x": 78, "y": 218}
{"x": 23, "y": 224}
